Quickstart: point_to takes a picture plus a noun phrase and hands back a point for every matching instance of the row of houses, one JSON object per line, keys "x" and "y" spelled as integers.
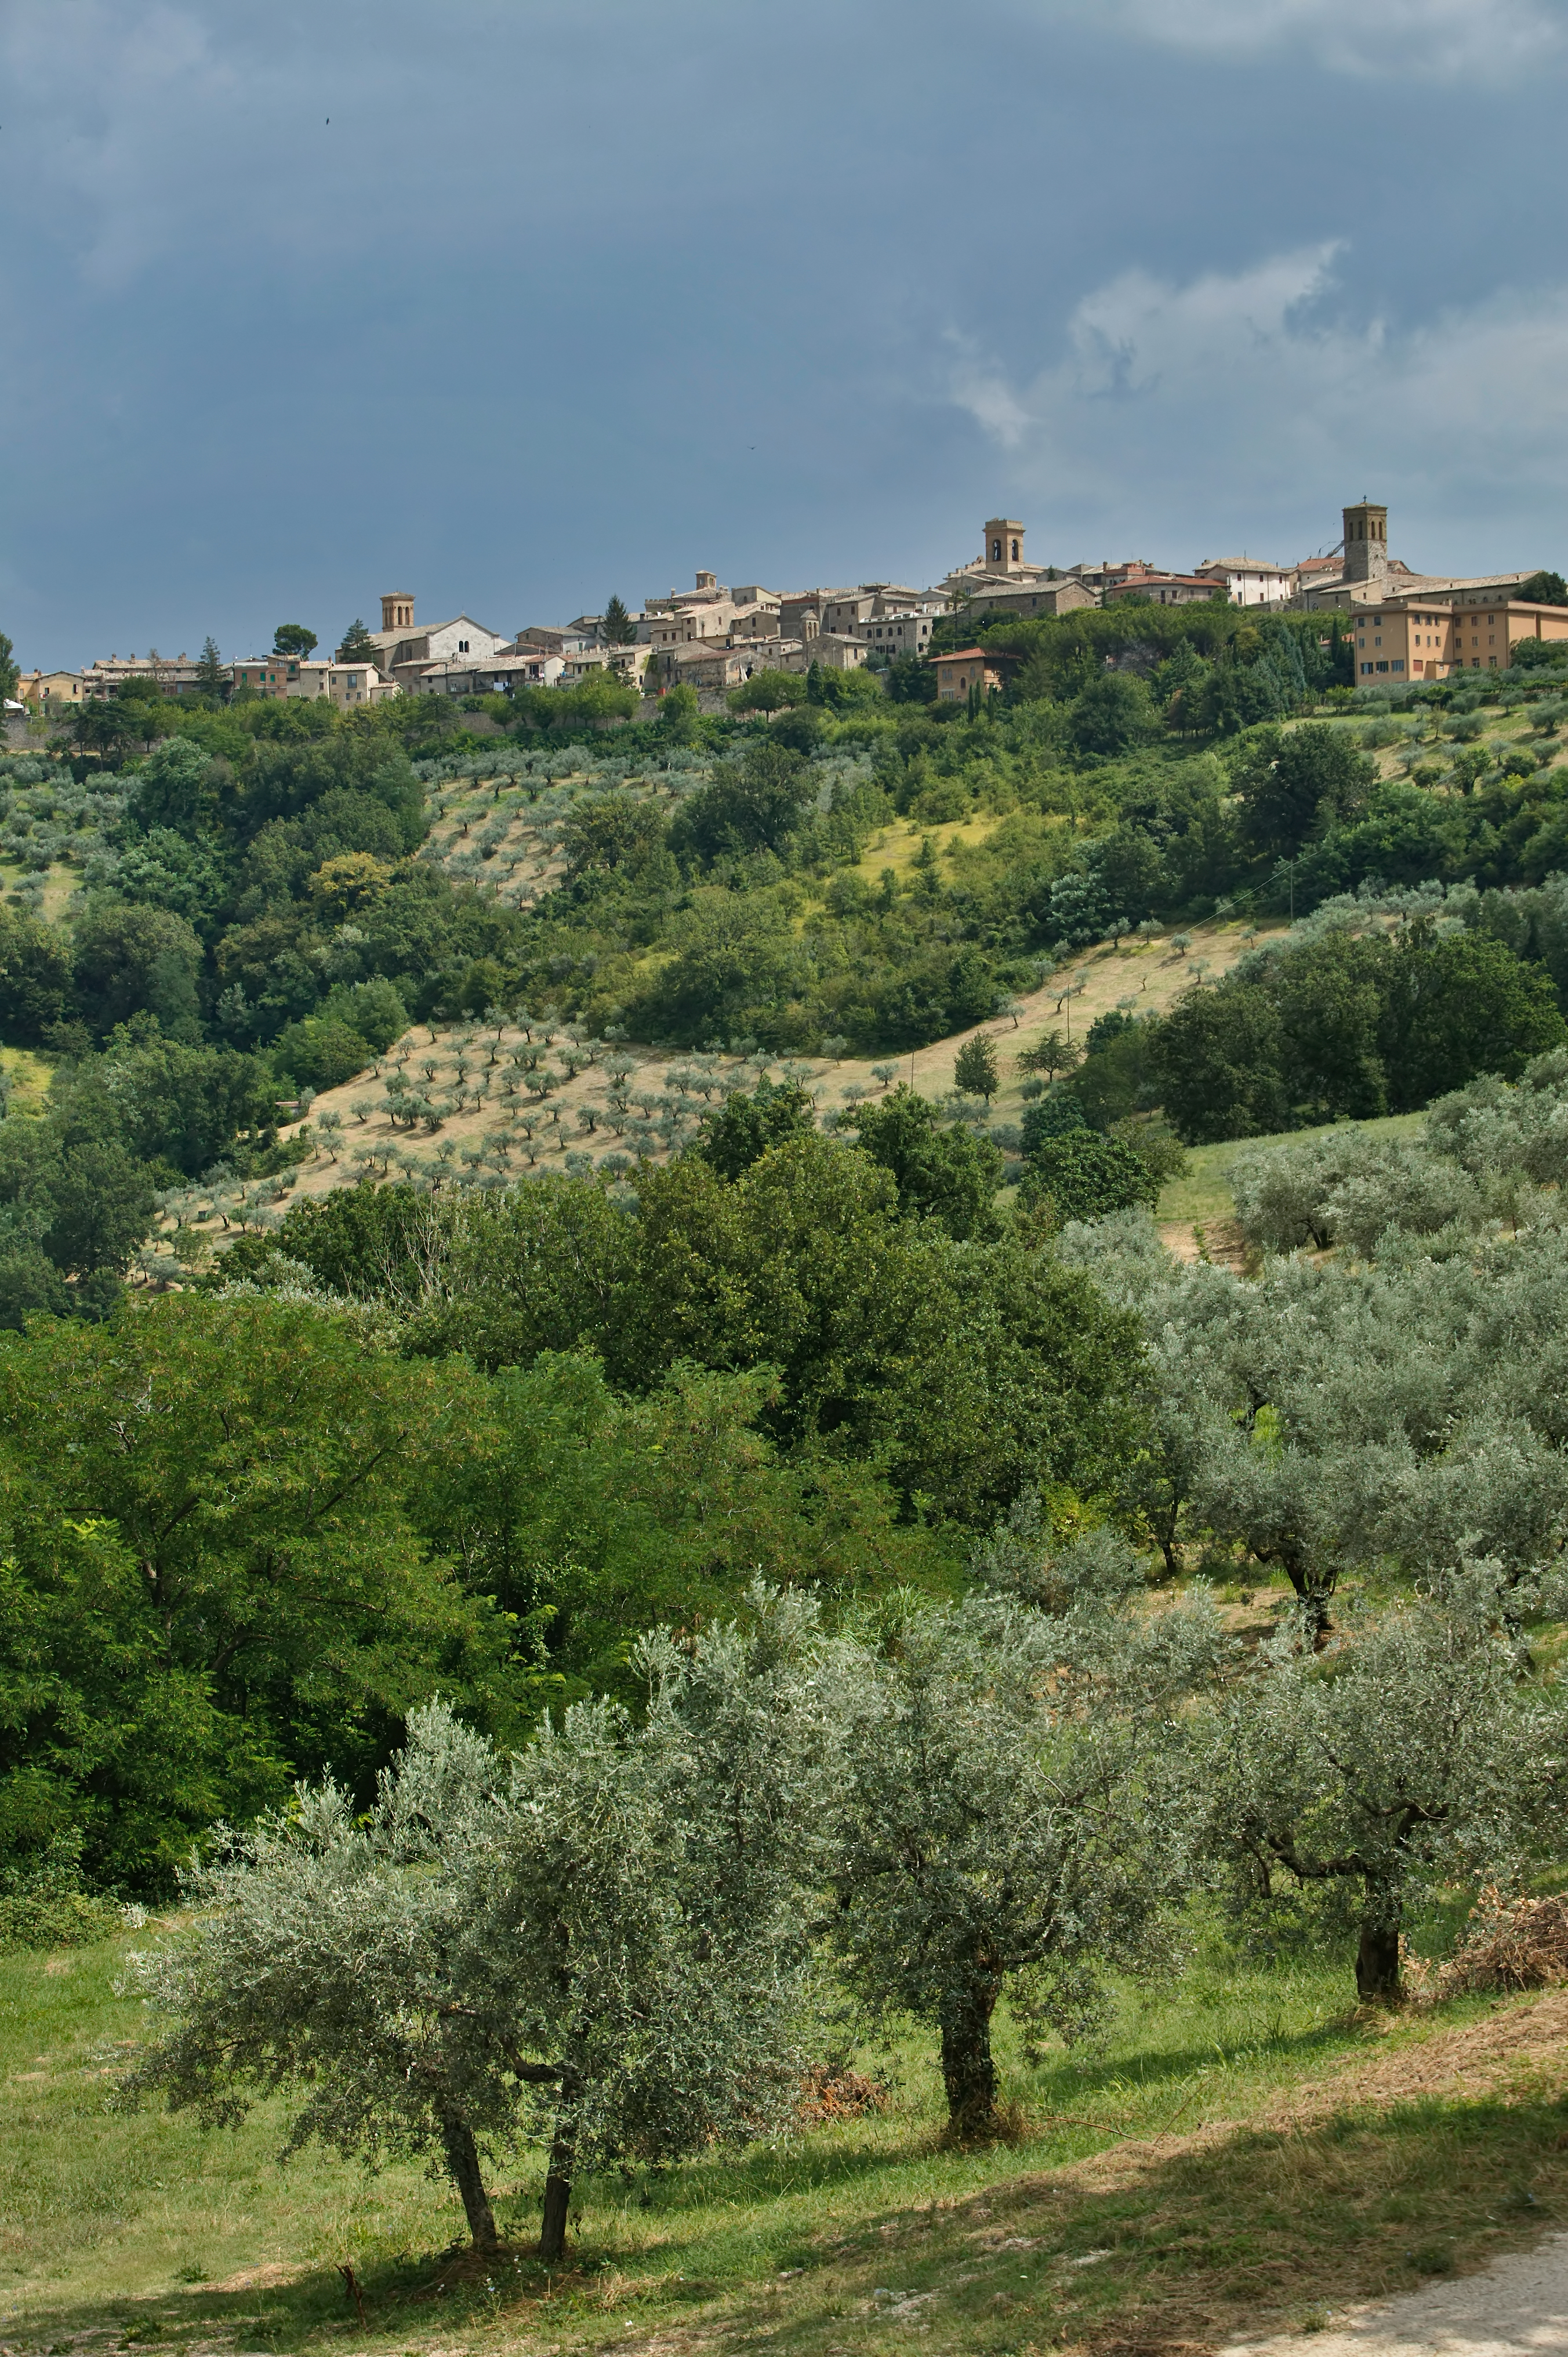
{"x": 344, "y": 685}
{"x": 713, "y": 636}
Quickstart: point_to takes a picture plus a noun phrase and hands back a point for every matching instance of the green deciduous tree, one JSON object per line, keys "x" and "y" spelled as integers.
{"x": 1113, "y": 713}
{"x": 949, "y": 1175}
{"x": 680, "y": 713}
{"x": 180, "y": 786}
{"x": 36, "y": 986}
{"x": 1347, "y": 1025}
{"x": 1083, "y": 1175}
{"x": 102, "y": 1208}
{"x": 744, "y": 1127}
{"x": 757, "y": 806}
{"x": 1293, "y": 783}
{"x": 768, "y": 691}
{"x": 1052, "y": 1052}
{"x": 1459, "y": 1004}
{"x": 248, "y": 1461}
{"x": 126, "y": 958}
{"x": 975, "y": 1068}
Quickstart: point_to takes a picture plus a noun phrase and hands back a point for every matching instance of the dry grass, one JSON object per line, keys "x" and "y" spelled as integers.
{"x": 1512, "y": 1943}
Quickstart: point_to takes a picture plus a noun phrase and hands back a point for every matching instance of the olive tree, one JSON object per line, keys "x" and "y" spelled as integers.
{"x": 596, "y": 1944}
{"x": 337, "y": 1960}
{"x": 661, "y": 1969}
{"x": 1411, "y": 1755}
{"x": 1001, "y": 1826}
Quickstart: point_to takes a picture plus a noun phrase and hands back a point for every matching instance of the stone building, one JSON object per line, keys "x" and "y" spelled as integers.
{"x": 1064, "y": 595}
{"x": 345, "y": 685}
{"x": 966, "y": 668}
{"x": 405, "y": 651}
{"x": 61, "y": 689}
{"x": 1167, "y": 588}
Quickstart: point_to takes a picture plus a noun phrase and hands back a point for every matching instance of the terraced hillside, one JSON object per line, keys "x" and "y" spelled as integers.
{"x": 485, "y": 1103}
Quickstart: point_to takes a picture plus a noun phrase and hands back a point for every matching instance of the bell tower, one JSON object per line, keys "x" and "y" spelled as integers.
{"x": 397, "y": 611}
{"x": 1003, "y": 546}
{"x": 1366, "y": 541}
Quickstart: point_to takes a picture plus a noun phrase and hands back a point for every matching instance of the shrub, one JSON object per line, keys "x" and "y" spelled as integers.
{"x": 322, "y": 1052}
{"x": 1086, "y": 1177}
{"x": 44, "y": 1905}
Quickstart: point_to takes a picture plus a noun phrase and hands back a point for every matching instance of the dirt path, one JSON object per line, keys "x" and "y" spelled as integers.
{"x": 1519, "y": 2304}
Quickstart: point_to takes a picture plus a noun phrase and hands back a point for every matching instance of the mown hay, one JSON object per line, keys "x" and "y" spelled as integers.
{"x": 831, "y": 2091}
{"x": 1512, "y": 1943}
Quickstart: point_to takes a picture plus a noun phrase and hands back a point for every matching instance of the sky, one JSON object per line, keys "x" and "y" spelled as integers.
{"x": 512, "y": 304}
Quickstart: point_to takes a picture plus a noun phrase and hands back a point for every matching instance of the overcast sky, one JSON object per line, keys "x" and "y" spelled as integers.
{"x": 512, "y": 304}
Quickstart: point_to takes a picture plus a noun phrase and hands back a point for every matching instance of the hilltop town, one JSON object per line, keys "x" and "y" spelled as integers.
{"x": 713, "y": 639}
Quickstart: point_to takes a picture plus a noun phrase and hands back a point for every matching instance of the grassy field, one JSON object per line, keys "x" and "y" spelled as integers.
{"x": 1202, "y": 1194}
{"x": 1246, "y": 2152}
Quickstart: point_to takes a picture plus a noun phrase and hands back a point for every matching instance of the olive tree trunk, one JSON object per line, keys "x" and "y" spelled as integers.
{"x": 968, "y": 2073}
{"x": 1378, "y": 1953}
{"x": 559, "y": 2173}
{"x": 463, "y": 2160}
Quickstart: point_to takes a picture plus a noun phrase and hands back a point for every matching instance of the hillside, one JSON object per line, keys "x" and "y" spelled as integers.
{"x": 499, "y": 1127}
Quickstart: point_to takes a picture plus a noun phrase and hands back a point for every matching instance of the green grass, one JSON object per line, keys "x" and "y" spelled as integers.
{"x": 29, "y": 1075}
{"x": 1203, "y": 1192}
{"x": 128, "y": 2228}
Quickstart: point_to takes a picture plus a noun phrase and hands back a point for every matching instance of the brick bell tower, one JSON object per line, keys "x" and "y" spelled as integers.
{"x": 1003, "y": 546}
{"x": 1366, "y": 541}
{"x": 397, "y": 611}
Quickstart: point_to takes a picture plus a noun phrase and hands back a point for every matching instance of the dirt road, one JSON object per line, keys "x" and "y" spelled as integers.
{"x": 1517, "y": 2307}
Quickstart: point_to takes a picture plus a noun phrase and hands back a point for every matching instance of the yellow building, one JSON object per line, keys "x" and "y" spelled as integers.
{"x": 958, "y": 673}
{"x": 1416, "y": 637}
{"x": 42, "y": 687}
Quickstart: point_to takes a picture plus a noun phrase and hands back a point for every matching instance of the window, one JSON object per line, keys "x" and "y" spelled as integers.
{"x": 1399, "y": 666}
{"x": 1382, "y": 666}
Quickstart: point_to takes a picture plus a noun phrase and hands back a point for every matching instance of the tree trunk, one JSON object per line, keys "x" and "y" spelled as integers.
{"x": 1314, "y": 1589}
{"x": 463, "y": 2160}
{"x": 1378, "y": 1958}
{"x": 557, "y": 2192}
{"x": 969, "y": 2074}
